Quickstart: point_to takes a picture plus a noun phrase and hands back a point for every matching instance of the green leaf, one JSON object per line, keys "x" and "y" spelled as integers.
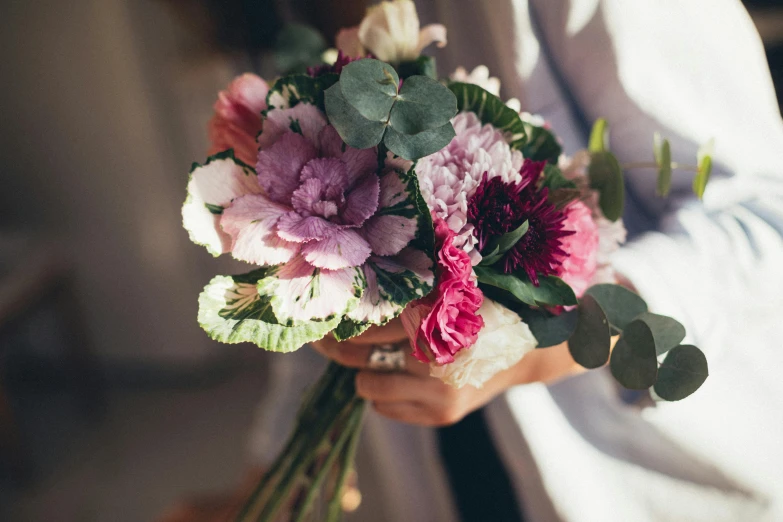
{"x": 500, "y": 245}
{"x": 550, "y": 291}
{"x": 682, "y": 372}
{"x": 418, "y": 145}
{"x": 355, "y": 130}
{"x": 540, "y": 145}
{"x": 347, "y": 329}
{"x": 554, "y": 179}
{"x": 490, "y": 109}
{"x": 422, "y": 104}
{"x": 232, "y": 311}
{"x": 291, "y": 90}
{"x": 667, "y": 332}
{"x": 589, "y": 345}
{"x": 298, "y": 47}
{"x": 663, "y": 158}
{"x": 370, "y": 86}
{"x": 423, "y": 65}
{"x": 606, "y": 177}
{"x": 599, "y": 136}
{"x": 548, "y": 329}
{"x": 634, "y": 363}
{"x": 562, "y": 197}
{"x": 704, "y": 169}
{"x": 620, "y": 304}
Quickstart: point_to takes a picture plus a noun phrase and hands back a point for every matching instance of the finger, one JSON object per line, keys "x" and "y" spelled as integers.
{"x": 415, "y": 366}
{"x": 391, "y": 332}
{"x": 404, "y": 411}
{"x": 345, "y": 353}
{"x": 395, "y": 387}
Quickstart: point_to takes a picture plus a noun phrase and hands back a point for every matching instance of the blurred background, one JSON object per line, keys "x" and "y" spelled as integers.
{"x": 113, "y": 403}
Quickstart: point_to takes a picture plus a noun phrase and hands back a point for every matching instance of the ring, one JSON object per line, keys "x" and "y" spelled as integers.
{"x": 386, "y": 358}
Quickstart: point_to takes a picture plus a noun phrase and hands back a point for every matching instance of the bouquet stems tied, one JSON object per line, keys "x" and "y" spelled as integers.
{"x": 317, "y": 458}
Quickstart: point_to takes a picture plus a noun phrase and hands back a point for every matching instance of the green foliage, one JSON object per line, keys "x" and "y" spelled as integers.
{"x": 297, "y": 48}
{"x": 633, "y": 361}
{"x": 425, "y": 237}
{"x": 498, "y": 247}
{"x": 549, "y": 329}
{"x": 490, "y": 109}
{"x": 540, "y": 145}
{"x": 667, "y": 332}
{"x": 589, "y": 344}
{"x": 599, "y": 136}
{"x": 663, "y": 158}
{"x": 606, "y": 177}
{"x": 293, "y": 89}
{"x": 550, "y": 291}
{"x": 553, "y": 179}
{"x": 366, "y": 109}
{"x": 620, "y": 304}
{"x": 704, "y": 169}
{"x": 682, "y": 372}
{"x": 423, "y": 66}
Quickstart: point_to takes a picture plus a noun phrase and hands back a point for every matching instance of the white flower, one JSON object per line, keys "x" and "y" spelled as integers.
{"x": 502, "y": 343}
{"x": 390, "y": 31}
{"x": 478, "y": 76}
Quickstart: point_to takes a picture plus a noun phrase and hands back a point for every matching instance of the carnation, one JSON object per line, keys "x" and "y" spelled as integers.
{"x": 450, "y": 177}
{"x": 237, "y": 119}
{"x": 579, "y": 267}
{"x": 501, "y": 344}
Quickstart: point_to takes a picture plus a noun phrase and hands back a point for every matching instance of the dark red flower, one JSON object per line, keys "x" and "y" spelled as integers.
{"x": 498, "y": 207}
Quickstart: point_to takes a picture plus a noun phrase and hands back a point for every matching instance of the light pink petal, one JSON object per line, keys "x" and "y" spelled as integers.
{"x": 301, "y": 292}
{"x": 393, "y": 190}
{"x": 331, "y": 172}
{"x": 344, "y": 248}
{"x": 362, "y": 201}
{"x": 294, "y": 227}
{"x": 302, "y": 117}
{"x": 388, "y": 235}
{"x": 279, "y": 166}
{"x": 250, "y": 222}
{"x": 348, "y": 42}
{"x": 429, "y": 34}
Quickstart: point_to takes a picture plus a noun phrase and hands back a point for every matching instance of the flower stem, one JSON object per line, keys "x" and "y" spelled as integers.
{"x": 334, "y": 511}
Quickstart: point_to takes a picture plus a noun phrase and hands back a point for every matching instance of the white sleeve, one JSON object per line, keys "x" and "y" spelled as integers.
{"x": 693, "y": 70}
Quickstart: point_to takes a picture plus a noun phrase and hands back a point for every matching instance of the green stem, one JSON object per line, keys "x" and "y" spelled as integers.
{"x": 346, "y": 434}
{"x": 652, "y": 165}
{"x": 335, "y": 511}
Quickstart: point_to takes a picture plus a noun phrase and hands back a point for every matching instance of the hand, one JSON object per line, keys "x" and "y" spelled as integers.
{"x": 414, "y": 397}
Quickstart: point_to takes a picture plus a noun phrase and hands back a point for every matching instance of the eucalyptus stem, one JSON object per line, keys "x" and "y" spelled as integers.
{"x": 334, "y": 511}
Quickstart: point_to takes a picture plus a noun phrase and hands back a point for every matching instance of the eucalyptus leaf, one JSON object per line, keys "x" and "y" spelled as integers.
{"x": 421, "y": 105}
{"x": 663, "y": 158}
{"x": 490, "y": 109}
{"x": 682, "y": 372}
{"x": 418, "y": 145}
{"x": 540, "y": 144}
{"x": 599, "y": 136}
{"x": 370, "y": 86}
{"x": 667, "y": 332}
{"x": 355, "y": 130}
{"x": 589, "y": 345}
{"x": 606, "y": 176}
{"x": 620, "y": 304}
{"x": 549, "y": 329}
{"x": 634, "y": 360}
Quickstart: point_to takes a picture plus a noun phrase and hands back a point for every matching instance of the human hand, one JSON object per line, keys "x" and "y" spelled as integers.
{"x": 412, "y": 396}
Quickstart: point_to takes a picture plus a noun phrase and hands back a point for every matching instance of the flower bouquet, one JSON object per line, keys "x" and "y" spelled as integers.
{"x": 369, "y": 189}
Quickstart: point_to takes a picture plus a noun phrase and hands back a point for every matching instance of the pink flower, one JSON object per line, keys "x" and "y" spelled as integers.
{"x": 445, "y": 322}
{"x": 579, "y": 267}
{"x": 237, "y": 120}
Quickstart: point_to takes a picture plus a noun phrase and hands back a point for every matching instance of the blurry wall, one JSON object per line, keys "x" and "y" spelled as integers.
{"x": 103, "y": 106}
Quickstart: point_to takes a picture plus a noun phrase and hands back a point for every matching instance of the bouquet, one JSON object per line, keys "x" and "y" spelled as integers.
{"x": 369, "y": 189}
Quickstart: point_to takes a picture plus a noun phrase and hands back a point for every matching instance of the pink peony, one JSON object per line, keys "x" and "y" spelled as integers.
{"x": 579, "y": 267}
{"x": 445, "y": 322}
{"x": 237, "y": 120}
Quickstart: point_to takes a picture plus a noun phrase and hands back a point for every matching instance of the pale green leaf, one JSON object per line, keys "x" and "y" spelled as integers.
{"x": 599, "y": 136}
{"x": 606, "y": 176}
{"x": 370, "y": 86}
{"x": 663, "y": 158}
{"x": 355, "y": 130}
{"x": 421, "y": 105}
{"x": 418, "y": 145}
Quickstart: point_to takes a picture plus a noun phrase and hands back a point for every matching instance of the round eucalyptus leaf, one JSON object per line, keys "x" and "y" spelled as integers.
{"x": 620, "y": 304}
{"x": 606, "y": 176}
{"x": 682, "y": 372}
{"x": 355, "y": 130}
{"x": 418, "y": 145}
{"x": 422, "y": 104}
{"x": 370, "y": 86}
{"x": 589, "y": 345}
{"x": 548, "y": 329}
{"x": 667, "y": 332}
{"x": 634, "y": 363}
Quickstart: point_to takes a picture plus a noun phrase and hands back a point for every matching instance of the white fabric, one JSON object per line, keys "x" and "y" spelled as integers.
{"x": 691, "y": 69}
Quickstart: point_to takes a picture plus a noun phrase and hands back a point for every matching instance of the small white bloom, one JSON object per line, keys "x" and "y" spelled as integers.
{"x": 502, "y": 343}
{"x": 478, "y": 76}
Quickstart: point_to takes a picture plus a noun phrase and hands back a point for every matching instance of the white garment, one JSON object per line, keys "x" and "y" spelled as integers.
{"x": 691, "y": 69}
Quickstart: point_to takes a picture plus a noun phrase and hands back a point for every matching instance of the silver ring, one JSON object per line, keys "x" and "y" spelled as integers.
{"x": 386, "y": 358}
